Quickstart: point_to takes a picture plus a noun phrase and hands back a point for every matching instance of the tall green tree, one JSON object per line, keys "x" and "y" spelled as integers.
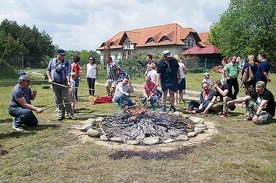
{"x": 246, "y": 27}
{"x": 25, "y": 45}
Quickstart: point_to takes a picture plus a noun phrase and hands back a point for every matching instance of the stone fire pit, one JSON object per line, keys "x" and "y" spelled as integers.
{"x": 144, "y": 128}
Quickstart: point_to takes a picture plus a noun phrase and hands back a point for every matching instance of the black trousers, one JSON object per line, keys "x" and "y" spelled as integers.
{"x": 233, "y": 82}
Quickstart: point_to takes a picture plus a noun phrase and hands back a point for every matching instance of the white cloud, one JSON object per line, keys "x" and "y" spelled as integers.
{"x": 81, "y": 24}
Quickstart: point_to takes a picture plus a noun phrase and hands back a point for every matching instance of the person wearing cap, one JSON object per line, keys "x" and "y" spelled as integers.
{"x": 168, "y": 74}
{"x": 207, "y": 79}
{"x": 20, "y": 107}
{"x": 232, "y": 71}
{"x": 58, "y": 73}
{"x": 260, "y": 105}
{"x": 91, "y": 74}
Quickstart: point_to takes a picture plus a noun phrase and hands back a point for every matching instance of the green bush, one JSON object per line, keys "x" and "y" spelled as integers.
{"x": 197, "y": 70}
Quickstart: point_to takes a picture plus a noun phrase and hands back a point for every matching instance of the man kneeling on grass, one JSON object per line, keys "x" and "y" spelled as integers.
{"x": 122, "y": 92}
{"x": 260, "y": 105}
{"x": 20, "y": 106}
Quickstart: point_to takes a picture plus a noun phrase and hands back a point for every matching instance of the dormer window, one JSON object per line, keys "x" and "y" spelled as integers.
{"x": 164, "y": 39}
{"x": 150, "y": 40}
{"x": 128, "y": 43}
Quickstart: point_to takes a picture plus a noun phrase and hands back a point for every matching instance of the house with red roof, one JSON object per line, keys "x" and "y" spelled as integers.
{"x": 150, "y": 40}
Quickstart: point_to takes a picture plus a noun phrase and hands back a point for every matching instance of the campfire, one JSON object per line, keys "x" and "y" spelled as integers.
{"x": 141, "y": 127}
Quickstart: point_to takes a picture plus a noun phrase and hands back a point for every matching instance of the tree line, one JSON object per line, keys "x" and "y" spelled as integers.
{"x": 247, "y": 27}
{"x": 22, "y": 46}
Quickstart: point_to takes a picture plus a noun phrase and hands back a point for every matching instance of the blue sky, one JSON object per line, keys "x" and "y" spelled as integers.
{"x": 85, "y": 24}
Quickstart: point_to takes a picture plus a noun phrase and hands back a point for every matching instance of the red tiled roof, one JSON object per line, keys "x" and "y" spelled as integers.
{"x": 196, "y": 50}
{"x": 174, "y": 32}
{"x": 204, "y": 38}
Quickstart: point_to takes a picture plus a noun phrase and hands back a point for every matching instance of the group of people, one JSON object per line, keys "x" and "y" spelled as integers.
{"x": 169, "y": 72}
{"x": 258, "y": 100}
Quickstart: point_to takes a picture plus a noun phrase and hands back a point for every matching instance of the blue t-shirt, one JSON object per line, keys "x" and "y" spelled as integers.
{"x": 18, "y": 92}
{"x": 262, "y": 68}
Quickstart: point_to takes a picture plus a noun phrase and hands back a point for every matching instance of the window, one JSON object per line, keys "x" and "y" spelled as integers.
{"x": 112, "y": 44}
{"x": 150, "y": 40}
{"x": 128, "y": 44}
{"x": 164, "y": 38}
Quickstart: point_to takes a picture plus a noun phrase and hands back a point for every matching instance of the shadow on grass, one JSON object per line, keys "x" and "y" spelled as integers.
{"x": 28, "y": 131}
{"x": 152, "y": 155}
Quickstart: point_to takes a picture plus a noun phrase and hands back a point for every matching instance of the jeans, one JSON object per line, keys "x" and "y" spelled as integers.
{"x": 152, "y": 101}
{"x": 123, "y": 101}
{"x": 77, "y": 84}
{"x": 193, "y": 104}
{"x": 23, "y": 116}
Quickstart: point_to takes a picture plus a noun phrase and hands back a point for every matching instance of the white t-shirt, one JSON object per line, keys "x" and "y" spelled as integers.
{"x": 181, "y": 68}
{"x": 125, "y": 88}
{"x": 153, "y": 75}
{"x": 91, "y": 71}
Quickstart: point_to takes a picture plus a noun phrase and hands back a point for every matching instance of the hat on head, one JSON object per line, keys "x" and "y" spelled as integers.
{"x": 22, "y": 73}
{"x": 206, "y": 74}
{"x": 61, "y": 52}
{"x": 166, "y": 53}
{"x": 260, "y": 83}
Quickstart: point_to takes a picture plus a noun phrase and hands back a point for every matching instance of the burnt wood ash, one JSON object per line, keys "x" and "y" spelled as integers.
{"x": 137, "y": 126}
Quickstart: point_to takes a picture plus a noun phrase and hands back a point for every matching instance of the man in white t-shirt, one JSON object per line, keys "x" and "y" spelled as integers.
{"x": 122, "y": 91}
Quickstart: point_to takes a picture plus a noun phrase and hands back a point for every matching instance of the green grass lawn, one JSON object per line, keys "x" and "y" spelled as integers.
{"x": 239, "y": 152}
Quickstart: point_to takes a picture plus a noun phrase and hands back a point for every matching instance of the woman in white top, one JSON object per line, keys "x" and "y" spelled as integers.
{"x": 181, "y": 87}
{"x": 92, "y": 72}
{"x": 153, "y": 73}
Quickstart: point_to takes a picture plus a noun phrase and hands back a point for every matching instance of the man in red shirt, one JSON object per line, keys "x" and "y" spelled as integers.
{"x": 149, "y": 91}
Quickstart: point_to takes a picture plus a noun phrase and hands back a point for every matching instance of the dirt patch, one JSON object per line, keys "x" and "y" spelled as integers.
{"x": 199, "y": 138}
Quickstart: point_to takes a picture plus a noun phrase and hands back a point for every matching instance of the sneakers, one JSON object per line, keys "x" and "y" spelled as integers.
{"x": 72, "y": 117}
{"x": 60, "y": 118}
{"x": 19, "y": 128}
{"x": 223, "y": 115}
{"x": 164, "y": 109}
{"x": 247, "y": 119}
{"x": 172, "y": 108}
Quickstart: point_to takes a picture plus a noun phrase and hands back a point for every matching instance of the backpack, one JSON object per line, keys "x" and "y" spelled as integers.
{"x": 248, "y": 75}
{"x": 122, "y": 76}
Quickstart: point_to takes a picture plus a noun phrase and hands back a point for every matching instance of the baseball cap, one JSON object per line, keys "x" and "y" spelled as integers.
{"x": 166, "y": 53}
{"x": 260, "y": 83}
{"x": 61, "y": 52}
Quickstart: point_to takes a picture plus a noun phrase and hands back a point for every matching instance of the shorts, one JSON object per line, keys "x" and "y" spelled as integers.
{"x": 171, "y": 87}
{"x": 110, "y": 83}
{"x": 181, "y": 85}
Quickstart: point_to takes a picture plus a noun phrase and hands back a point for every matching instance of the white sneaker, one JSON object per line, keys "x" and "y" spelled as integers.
{"x": 19, "y": 129}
